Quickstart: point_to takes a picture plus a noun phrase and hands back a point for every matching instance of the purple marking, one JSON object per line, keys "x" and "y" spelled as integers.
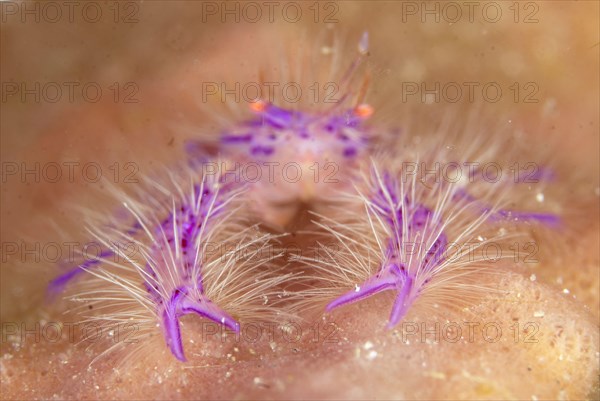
{"x": 152, "y": 287}
{"x": 548, "y": 219}
{"x": 237, "y": 138}
{"x": 352, "y": 120}
{"x": 197, "y": 152}
{"x": 420, "y": 217}
{"x": 57, "y": 285}
{"x": 193, "y": 148}
{"x": 350, "y": 152}
{"x": 346, "y": 119}
{"x": 380, "y": 200}
{"x": 262, "y": 150}
{"x": 278, "y": 117}
{"x": 537, "y": 174}
{"x": 436, "y": 252}
{"x": 544, "y": 218}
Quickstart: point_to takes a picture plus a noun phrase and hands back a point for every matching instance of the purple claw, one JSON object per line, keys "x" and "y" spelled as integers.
{"x": 390, "y": 277}
{"x": 172, "y": 331}
{"x": 370, "y": 287}
{"x": 204, "y": 307}
{"x": 181, "y": 303}
{"x": 401, "y": 303}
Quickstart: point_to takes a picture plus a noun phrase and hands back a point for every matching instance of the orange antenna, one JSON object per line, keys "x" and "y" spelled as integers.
{"x": 259, "y": 106}
{"x": 344, "y": 85}
{"x": 364, "y": 111}
{"x": 363, "y": 51}
{"x": 261, "y": 77}
{"x": 363, "y": 88}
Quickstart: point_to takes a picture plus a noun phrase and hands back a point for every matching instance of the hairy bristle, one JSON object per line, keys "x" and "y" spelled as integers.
{"x": 184, "y": 248}
{"x": 426, "y": 239}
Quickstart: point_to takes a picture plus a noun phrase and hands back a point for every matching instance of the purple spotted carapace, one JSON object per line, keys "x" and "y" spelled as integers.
{"x": 278, "y": 129}
{"x": 278, "y": 135}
